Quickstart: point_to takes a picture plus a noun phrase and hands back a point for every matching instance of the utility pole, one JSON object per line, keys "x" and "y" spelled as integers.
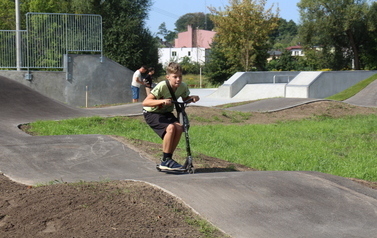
{"x": 205, "y": 15}
{"x": 18, "y": 36}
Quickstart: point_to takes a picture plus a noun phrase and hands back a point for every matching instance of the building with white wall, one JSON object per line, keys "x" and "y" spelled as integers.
{"x": 193, "y": 43}
{"x": 195, "y": 54}
{"x": 296, "y": 50}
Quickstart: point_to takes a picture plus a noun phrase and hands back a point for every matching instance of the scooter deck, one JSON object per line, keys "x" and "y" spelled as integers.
{"x": 179, "y": 170}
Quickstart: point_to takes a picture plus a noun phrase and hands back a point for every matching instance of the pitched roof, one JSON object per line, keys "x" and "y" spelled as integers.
{"x": 296, "y": 47}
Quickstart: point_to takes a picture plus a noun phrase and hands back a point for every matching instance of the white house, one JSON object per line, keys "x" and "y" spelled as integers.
{"x": 195, "y": 54}
{"x": 296, "y": 50}
{"x": 193, "y": 43}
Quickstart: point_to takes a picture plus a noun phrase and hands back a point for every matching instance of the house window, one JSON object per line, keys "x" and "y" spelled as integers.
{"x": 174, "y": 53}
{"x": 189, "y": 53}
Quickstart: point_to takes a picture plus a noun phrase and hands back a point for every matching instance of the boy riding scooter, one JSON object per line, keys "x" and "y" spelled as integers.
{"x": 158, "y": 108}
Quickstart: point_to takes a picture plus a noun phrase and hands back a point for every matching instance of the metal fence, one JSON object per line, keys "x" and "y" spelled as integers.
{"x": 48, "y": 37}
{"x": 8, "y": 53}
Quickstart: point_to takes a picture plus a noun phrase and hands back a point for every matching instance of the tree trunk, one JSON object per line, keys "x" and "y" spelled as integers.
{"x": 354, "y": 49}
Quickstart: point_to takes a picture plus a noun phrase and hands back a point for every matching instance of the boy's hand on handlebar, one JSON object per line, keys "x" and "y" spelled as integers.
{"x": 166, "y": 102}
{"x": 194, "y": 98}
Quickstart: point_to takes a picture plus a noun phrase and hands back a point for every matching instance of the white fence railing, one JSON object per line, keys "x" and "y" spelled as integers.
{"x": 287, "y": 77}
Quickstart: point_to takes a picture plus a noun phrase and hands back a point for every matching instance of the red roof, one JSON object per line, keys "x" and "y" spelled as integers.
{"x": 296, "y": 47}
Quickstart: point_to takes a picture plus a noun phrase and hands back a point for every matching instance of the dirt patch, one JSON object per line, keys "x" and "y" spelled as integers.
{"x": 135, "y": 209}
{"x": 93, "y": 209}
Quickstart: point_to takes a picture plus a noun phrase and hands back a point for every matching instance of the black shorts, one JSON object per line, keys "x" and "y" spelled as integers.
{"x": 159, "y": 122}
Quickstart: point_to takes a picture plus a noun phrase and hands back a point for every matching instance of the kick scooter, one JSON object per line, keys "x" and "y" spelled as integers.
{"x": 187, "y": 167}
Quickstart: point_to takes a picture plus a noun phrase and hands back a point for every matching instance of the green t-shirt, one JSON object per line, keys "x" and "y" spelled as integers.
{"x": 161, "y": 91}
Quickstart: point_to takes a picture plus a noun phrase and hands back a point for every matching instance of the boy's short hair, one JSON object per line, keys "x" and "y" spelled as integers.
{"x": 150, "y": 69}
{"x": 173, "y": 68}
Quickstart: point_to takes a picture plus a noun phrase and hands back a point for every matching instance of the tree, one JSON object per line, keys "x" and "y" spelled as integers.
{"x": 369, "y": 48}
{"x": 125, "y": 38}
{"x": 335, "y": 23}
{"x": 197, "y": 20}
{"x": 217, "y": 68}
{"x": 86, "y": 7}
{"x": 286, "y": 62}
{"x": 188, "y": 66}
{"x": 7, "y": 15}
{"x": 284, "y": 35}
{"x": 169, "y": 36}
{"x": 47, "y": 6}
{"x": 162, "y": 29}
{"x": 243, "y": 31}
{"x": 7, "y": 10}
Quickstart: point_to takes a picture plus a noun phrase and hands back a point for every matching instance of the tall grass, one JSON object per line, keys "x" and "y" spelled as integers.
{"x": 344, "y": 147}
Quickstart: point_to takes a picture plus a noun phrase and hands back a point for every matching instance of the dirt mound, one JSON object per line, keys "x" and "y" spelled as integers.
{"x": 93, "y": 209}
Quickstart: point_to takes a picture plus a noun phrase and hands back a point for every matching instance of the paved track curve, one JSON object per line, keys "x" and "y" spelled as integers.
{"x": 242, "y": 204}
{"x": 366, "y": 97}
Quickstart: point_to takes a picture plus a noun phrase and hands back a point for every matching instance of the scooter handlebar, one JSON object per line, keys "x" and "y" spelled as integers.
{"x": 189, "y": 100}
{"x": 184, "y": 102}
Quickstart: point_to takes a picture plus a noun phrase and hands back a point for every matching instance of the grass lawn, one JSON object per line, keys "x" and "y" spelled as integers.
{"x": 344, "y": 146}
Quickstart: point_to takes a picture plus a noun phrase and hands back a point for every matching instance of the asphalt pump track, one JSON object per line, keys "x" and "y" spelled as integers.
{"x": 242, "y": 204}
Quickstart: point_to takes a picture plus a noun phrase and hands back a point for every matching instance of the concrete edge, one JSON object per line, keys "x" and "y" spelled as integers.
{"x": 296, "y": 105}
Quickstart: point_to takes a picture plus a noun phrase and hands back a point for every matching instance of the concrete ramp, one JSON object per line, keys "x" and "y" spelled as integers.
{"x": 73, "y": 158}
{"x": 299, "y": 86}
{"x": 261, "y": 91}
{"x": 242, "y": 204}
{"x": 30, "y": 160}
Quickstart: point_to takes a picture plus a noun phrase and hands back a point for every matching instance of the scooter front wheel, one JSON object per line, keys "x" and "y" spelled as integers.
{"x": 191, "y": 170}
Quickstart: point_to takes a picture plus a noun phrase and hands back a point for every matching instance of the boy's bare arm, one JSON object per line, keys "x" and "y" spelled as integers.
{"x": 151, "y": 101}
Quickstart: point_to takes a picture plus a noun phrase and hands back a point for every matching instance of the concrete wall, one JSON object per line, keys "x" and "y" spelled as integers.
{"x": 257, "y": 91}
{"x": 48, "y": 83}
{"x": 108, "y": 82}
{"x": 330, "y": 83}
{"x": 235, "y": 84}
{"x": 307, "y": 84}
